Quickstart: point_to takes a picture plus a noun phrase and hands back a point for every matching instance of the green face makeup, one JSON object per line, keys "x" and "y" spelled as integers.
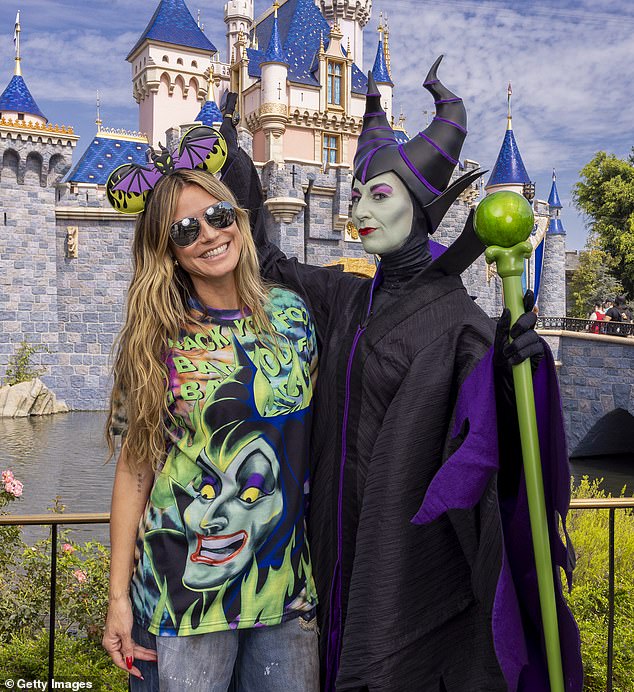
{"x": 383, "y": 212}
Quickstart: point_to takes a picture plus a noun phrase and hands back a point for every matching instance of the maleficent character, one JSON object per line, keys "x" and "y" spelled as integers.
{"x": 418, "y": 520}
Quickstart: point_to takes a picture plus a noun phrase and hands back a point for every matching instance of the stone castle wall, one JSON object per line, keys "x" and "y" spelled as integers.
{"x": 74, "y": 306}
{"x": 596, "y": 376}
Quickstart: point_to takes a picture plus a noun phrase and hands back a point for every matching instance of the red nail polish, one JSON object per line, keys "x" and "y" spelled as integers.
{"x": 128, "y": 662}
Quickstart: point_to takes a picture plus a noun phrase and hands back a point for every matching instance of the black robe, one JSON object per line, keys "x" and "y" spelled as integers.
{"x": 402, "y": 606}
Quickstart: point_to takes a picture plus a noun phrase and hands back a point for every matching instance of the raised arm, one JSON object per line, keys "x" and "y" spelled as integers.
{"x": 316, "y": 285}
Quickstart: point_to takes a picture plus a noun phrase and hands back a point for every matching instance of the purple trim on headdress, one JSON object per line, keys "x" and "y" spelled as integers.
{"x": 372, "y": 115}
{"x": 416, "y": 172}
{"x": 431, "y": 81}
{"x": 333, "y": 646}
{"x": 442, "y": 151}
{"x": 368, "y": 95}
{"x": 375, "y": 139}
{"x": 451, "y": 122}
{"x": 436, "y": 103}
{"x": 368, "y": 157}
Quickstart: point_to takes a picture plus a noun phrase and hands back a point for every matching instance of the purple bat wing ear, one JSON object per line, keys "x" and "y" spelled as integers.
{"x": 128, "y": 186}
{"x": 202, "y": 147}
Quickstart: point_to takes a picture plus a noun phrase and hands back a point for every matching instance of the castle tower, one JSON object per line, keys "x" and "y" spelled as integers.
{"x": 381, "y": 73}
{"x": 352, "y": 17}
{"x": 274, "y": 99}
{"x": 34, "y": 157}
{"x": 552, "y": 300}
{"x": 168, "y": 67}
{"x": 239, "y": 20}
{"x": 509, "y": 172}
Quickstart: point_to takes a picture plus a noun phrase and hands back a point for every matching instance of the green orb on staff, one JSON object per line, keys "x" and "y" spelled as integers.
{"x": 503, "y": 221}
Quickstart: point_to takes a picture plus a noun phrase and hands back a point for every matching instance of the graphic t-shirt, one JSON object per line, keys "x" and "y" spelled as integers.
{"x": 222, "y": 542}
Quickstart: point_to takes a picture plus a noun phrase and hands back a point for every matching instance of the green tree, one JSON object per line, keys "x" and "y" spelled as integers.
{"x": 605, "y": 194}
{"x": 593, "y": 281}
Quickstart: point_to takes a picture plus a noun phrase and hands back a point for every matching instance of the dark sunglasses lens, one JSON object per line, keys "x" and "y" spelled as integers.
{"x": 185, "y": 232}
{"x": 221, "y": 215}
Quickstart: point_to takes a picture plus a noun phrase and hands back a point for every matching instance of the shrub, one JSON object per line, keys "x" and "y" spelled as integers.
{"x": 26, "y": 656}
{"x": 589, "y": 597}
{"x": 20, "y": 368}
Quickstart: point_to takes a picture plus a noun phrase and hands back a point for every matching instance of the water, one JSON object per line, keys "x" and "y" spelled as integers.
{"x": 64, "y": 455}
{"x": 59, "y": 455}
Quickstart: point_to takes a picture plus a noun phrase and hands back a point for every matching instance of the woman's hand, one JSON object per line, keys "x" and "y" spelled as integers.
{"x": 117, "y": 638}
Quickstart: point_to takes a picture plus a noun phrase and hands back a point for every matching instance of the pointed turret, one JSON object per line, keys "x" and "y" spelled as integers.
{"x": 552, "y": 299}
{"x": 16, "y": 102}
{"x": 274, "y": 51}
{"x": 274, "y": 77}
{"x": 381, "y": 73}
{"x": 555, "y": 226}
{"x": 509, "y": 172}
{"x": 380, "y": 70}
{"x": 168, "y": 64}
{"x": 173, "y": 23}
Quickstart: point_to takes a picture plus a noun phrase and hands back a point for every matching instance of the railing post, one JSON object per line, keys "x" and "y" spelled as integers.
{"x": 610, "y": 601}
{"x": 51, "y": 626}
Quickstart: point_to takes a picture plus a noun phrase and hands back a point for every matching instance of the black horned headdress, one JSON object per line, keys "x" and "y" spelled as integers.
{"x": 426, "y": 162}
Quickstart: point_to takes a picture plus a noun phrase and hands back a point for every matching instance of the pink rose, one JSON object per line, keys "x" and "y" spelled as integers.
{"x": 80, "y": 575}
{"x": 7, "y": 476}
{"x": 68, "y": 548}
{"x": 14, "y": 487}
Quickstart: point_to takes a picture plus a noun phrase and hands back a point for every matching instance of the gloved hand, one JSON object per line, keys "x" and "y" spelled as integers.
{"x": 525, "y": 344}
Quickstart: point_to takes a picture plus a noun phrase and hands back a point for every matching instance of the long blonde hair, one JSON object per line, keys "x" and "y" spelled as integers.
{"x": 158, "y": 307}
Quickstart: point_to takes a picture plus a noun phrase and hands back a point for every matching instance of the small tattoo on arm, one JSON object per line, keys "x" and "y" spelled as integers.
{"x": 139, "y": 483}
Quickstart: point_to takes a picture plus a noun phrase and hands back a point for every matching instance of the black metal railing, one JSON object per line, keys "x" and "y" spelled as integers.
{"x": 54, "y": 520}
{"x": 572, "y": 324}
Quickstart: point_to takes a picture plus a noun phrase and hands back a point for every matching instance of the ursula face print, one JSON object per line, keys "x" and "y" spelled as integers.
{"x": 232, "y": 514}
{"x": 383, "y": 212}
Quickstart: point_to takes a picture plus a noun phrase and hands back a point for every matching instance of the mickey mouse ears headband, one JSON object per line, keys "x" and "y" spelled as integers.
{"x": 129, "y": 185}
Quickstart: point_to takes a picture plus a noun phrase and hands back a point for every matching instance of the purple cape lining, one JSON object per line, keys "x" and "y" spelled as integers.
{"x": 460, "y": 484}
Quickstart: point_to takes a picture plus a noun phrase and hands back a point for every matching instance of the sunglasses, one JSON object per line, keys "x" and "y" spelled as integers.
{"x": 185, "y": 232}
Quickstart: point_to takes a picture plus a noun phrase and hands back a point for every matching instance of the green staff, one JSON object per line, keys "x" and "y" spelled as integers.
{"x": 503, "y": 221}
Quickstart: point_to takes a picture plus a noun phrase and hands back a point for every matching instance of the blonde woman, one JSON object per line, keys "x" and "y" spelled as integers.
{"x": 212, "y": 379}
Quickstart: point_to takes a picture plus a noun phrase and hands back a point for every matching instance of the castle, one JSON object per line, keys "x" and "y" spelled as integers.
{"x": 298, "y": 69}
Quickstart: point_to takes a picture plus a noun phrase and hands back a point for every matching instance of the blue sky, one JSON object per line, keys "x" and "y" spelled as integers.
{"x": 570, "y": 63}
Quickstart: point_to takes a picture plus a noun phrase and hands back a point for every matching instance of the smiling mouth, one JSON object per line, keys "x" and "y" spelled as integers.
{"x": 216, "y": 550}
{"x": 216, "y": 252}
{"x": 366, "y": 231}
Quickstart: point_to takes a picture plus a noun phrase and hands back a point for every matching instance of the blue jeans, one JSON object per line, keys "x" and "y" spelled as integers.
{"x": 281, "y": 658}
{"x": 149, "y": 669}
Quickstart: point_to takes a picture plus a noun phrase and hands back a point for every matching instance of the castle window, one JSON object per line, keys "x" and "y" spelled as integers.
{"x": 330, "y": 148}
{"x": 20, "y": 116}
{"x": 334, "y": 83}
{"x": 194, "y": 63}
{"x": 179, "y": 61}
{"x": 165, "y": 58}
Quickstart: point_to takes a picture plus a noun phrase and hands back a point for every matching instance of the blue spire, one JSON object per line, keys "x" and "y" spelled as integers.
{"x": 553, "y": 198}
{"x": 275, "y": 52}
{"x": 172, "y": 23}
{"x": 509, "y": 167}
{"x": 555, "y": 227}
{"x": 379, "y": 71}
{"x": 17, "y": 98}
{"x": 210, "y": 114}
